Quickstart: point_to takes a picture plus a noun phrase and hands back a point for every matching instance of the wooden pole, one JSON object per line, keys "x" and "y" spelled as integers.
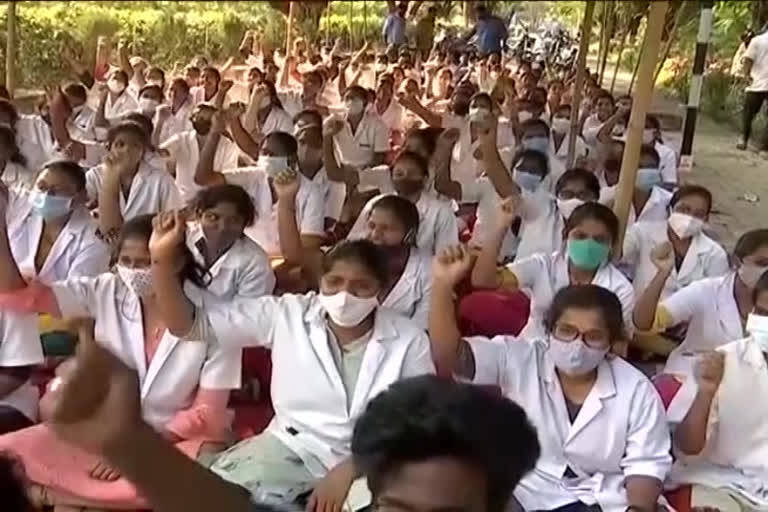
{"x": 465, "y": 6}
{"x": 607, "y": 49}
{"x": 622, "y": 45}
{"x": 640, "y": 104}
{"x": 365, "y": 20}
{"x": 289, "y": 29}
{"x": 668, "y": 43}
{"x": 639, "y": 58}
{"x": 10, "y": 50}
{"x": 581, "y": 70}
{"x": 349, "y": 25}
{"x": 603, "y": 24}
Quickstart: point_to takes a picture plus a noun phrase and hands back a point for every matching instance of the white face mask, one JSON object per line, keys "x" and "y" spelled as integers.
{"x": 354, "y": 107}
{"x": 148, "y": 106}
{"x": 757, "y": 326}
{"x": 524, "y": 116}
{"x": 750, "y": 274}
{"x": 115, "y": 86}
{"x": 347, "y": 310}
{"x": 649, "y": 136}
{"x": 561, "y": 124}
{"x": 478, "y": 115}
{"x": 574, "y": 357}
{"x": 138, "y": 280}
{"x": 272, "y": 165}
{"x": 566, "y": 206}
{"x": 158, "y": 83}
{"x": 685, "y": 226}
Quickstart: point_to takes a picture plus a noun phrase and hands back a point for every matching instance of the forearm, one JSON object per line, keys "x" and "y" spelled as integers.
{"x": 174, "y": 307}
{"x": 204, "y": 172}
{"x": 110, "y": 218}
{"x": 332, "y": 168}
{"x": 243, "y": 139}
{"x": 158, "y": 131}
{"x": 10, "y": 277}
{"x": 125, "y": 63}
{"x": 604, "y": 134}
{"x": 643, "y": 492}
{"x": 645, "y": 309}
{"x": 691, "y": 435}
{"x": 146, "y": 459}
{"x": 440, "y": 168}
{"x": 429, "y": 117}
{"x": 443, "y": 332}
{"x": 497, "y": 172}
{"x": 290, "y": 239}
{"x": 484, "y": 273}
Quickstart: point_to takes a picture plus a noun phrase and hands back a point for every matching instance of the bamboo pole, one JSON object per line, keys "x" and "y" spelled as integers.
{"x": 622, "y": 45}
{"x": 349, "y": 25}
{"x": 607, "y": 49}
{"x": 637, "y": 64}
{"x": 669, "y": 41}
{"x": 581, "y": 70}
{"x": 365, "y": 20}
{"x": 640, "y": 104}
{"x": 603, "y": 24}
{"x": 289, "y": 29}
{"x": 10, "y": 50}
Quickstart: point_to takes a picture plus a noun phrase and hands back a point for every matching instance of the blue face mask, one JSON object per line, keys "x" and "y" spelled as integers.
{"x": 540, "y": 144}
{"x": 647, "y": 178}
{"x": 48, "y": 206}
{"x": 526, "y": 180}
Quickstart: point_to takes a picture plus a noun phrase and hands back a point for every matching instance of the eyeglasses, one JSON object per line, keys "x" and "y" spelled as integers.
{"x": 593, "y": 338}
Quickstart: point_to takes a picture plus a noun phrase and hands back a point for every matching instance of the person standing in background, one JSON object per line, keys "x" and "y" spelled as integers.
{"x": 490, "y": 31}
{"x": 425, "y": 32}
{"x": 394, "y": 26}
{"x": 756, "y": 70}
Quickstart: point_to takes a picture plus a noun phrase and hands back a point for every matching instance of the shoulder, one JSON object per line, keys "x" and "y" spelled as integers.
{"x": 629, "y": 379}
{"x": 250, "y": 252}
{"x": 712, "y": 247}
{"x": 403, "y": 330}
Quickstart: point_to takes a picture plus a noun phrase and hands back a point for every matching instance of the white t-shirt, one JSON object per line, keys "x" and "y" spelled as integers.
{"x": 357, "y": 149}
{"x": 19, "y": 346}
{"x": 757, "y": 52}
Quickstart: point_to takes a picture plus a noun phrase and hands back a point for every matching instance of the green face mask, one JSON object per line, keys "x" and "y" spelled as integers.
{"x": 587, "y": 253}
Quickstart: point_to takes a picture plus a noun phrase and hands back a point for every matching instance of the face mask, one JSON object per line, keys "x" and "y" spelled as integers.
{"x": 138, "y": 280}
{"x": 265, "y": 102}
{"x": 380, "y": 67}
{"x": 524, "y": 116}
{"x": 347, "y": 310}
{"x": 540, "y": 144}
{"x": 566, "y": 206}
{"x": 48, "y": 206}
{"x": 750, "y": 274}
{"x": 148, "y": 106}
{"x": 561, "y": 124}
{"x": 478, "y": 115}
{"x": 272, "y": 165}
{"x": 647, "y": 178}
{"x": 649, "y": 136}
{"x": 408, "y": 187}
{"x": 587, "y": 254}
{"x": 354, "y": 107}
{"x": 574, "y": 357}
{"x": 526, "y": 180}
{"x": 757, "y": 326}
{"x": 685, "y": 226}
{"x": 115, "y": 86}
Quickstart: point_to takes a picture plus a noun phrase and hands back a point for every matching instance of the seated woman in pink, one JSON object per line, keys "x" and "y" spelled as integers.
{"x": 184, "y": 386}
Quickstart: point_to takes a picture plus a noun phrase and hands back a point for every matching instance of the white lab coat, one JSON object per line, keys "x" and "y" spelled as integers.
{"x": 19, "y": 347}
{"x": 178, "y": 122}
{"x": 35, "y": 140}
{"x": 412, "y": 293}
{"x": 541, "y": 276}
{"x": 243, "y": 271}
{"x": 307, "y": 391}
{"x": 437, "y": 223}
{"x": 667, "y": 162}
{"x": 713, "y": 319}
{"x": 277, "y": 120}
{"x": 152, "y": 191}
{"x": 170, "y": 382}
{"x": 465, "y": 168}
{"x": 334, "y": 194}
{"x": 357, "y": 149}
{"x": 18, "y": 176}
{"x": 124, "y": 104}
{"x": 620, "y": 431}
{"x": 542, "y": 224}
{"x": 705, "y": 258}
{"x": 735, "y": 457}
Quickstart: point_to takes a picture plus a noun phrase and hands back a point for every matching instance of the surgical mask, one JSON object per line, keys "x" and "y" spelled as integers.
{"x": 649, "y": 136}
{"x": 265, "y": 102}
{"x": 566, "y": 206}
{"x": 685, "y": 226}
{"x": 561, "y": 124}
{"x": 138, "y": 280}
{"x": 647, "y": 178}
{"x": 380, "y": 67}
{"x": 272, "y": 165}
{"x": 48, "y": 206}
{"x": 354, "y": 107}
{"x": 526, "y": 180}
{"x": 148, "y": 106}
{"x": 115, "y": 86}
{"x": 347, "y": 310}
{"x": 478, "y": 115}
{"x": 540, "y": 144}
{"x": 574, "y": 357}
{"x": 587, "y": 253}
{"x": 524, "y": 116}
{"x": 757, "y": 326}
{"x": 750, "y": 274}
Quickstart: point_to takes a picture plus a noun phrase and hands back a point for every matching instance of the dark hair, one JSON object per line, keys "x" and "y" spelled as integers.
{"x": 192, "y": 68}
{"x": 156, "y": 69}
{"x": 646, "y": 150}
{"x": 76, "y": 90}
{"x": 317, "y": 119}
{"x": 358, "y": 91}
{"x": 141, "y": 227}
{"x": 427, "y": 417}
{"x": 588, "y": 296}
{"x": 653, "y": 122}
{"x": 274, "y": 98}
{"x": 691, "y": 190}
{"x": 151, "y": 87}
{"x": 6, "y": 107}
{"x": 360, "y": 251}
{"x": 415, "y": 158}
{"x": 482, "y": 96}
{"x": 8, "y": 137}
{"x": 70, "y": 169}
{"x": 13, "y": 485}
{"x": 760, "y": 286}
{"x": 537, "y": 156}
{"x": 209, "y": 197}
{"x": 593, "y": 211}
{"x": 405, "y": 211}
{"x": 427, "y": 136}
{"x": 214, "y": 71}
{"x": 132, "y": 127}
{"x": 181, "y": 83}
{"x": 750, "y": 242}
{"x": 532, "y": 123}
{"x": 121, "y": 75}
{"x": 588, "y": 179}
{"x": 285, "y": 140}
{"x": 144, "y": 121}
{"x": 603, "y": 94}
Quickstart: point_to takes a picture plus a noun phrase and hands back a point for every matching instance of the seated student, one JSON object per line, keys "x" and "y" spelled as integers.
{"x": 387, "y": 108}
{"x": 667, "y": 155}
{"x": 697, "y": 256}
{"x": 184, "y": 386}
{"x": 363, "y": 140}
{"x": 561, "y": 129}
{"x": 176, "y": 116}
{"x": 601, "y": 424}
{"x": 80, "y": 123}
{"x": 346, "y": 349}
{"x": 19, "y": 354}
{"x": 277, "y": 153}
{"x": 720, "y": 435}
{"x": 150, "y": 98}
{"x": 13, "y": 165}
{"x": 208, "y": 86}
{"x": 192, "y": 75}
{"x": 583, "y": 258}
{"x": 126, "y": 185}
{"x": 714, "y": 308}
{"x": 437, "y": 225}
{"x": 238, "y": 266}
{"x": 50, "y": 234}
{"x": 33, "y": 135}
{"x": 184, "y": 149}
{"x": 295, "y": 101}
{"x": 115, "y": 101}
{"x": 265, "y": 113}
{"x": 591, "y": 125}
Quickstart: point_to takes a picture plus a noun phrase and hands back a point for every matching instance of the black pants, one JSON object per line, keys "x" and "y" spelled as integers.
{"x": 11, "y": 420}
{"x": 753, "y": 102}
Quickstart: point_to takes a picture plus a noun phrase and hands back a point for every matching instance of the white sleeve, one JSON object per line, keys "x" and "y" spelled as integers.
{"x": 226, "y": 156}
{"x": 380, "y": 137}
{"x": 92, "y": 183}
{"x": 446, "y": 231}
{"x": 648, "y": 438}
{"x": 79, "y": 296}
{"x": 19, "y": 345}
{"x": 421, "y": 311}
{"x": 626, "y": 295}
{"x": 632, "y": 243}
{"x": 751, "y": 52}
{"x": 222, "y": 368}
{"x": 91, "y": 261}
{"x": 312, "y": 220}
{"x": 418, "y": 358}
{"x": 528, "y": 270}
{"x": 172, "y": 145}
{"x": 490, "y": 356}
{"x": 717, "y": 263}
{"x": 687, "y": 302}
{"x": 668, "y": 165}
{"x": 171, "y": 197}
{"x": 257, "y": 280}
{"x": 248, "y": 322}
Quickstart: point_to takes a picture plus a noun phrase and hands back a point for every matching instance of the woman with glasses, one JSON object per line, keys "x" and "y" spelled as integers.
{"x": 601, "y": 425}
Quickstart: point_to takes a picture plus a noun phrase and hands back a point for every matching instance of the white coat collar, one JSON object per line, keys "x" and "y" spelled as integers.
{"x": 698, "y": 246}
{"x": 409, "y": 279}
{"x": 77, "y": 223}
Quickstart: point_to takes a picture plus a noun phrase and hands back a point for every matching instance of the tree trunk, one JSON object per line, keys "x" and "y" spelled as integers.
{"x": 618, "y": 59}
{"x": 10, "y": 50}
{"x": 670, "y": 40}
{"x": 607, "y": 50}
{"x": 578, "y": 86}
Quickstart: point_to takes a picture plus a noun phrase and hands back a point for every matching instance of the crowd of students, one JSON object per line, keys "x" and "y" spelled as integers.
{"x": 369, "y": 219}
